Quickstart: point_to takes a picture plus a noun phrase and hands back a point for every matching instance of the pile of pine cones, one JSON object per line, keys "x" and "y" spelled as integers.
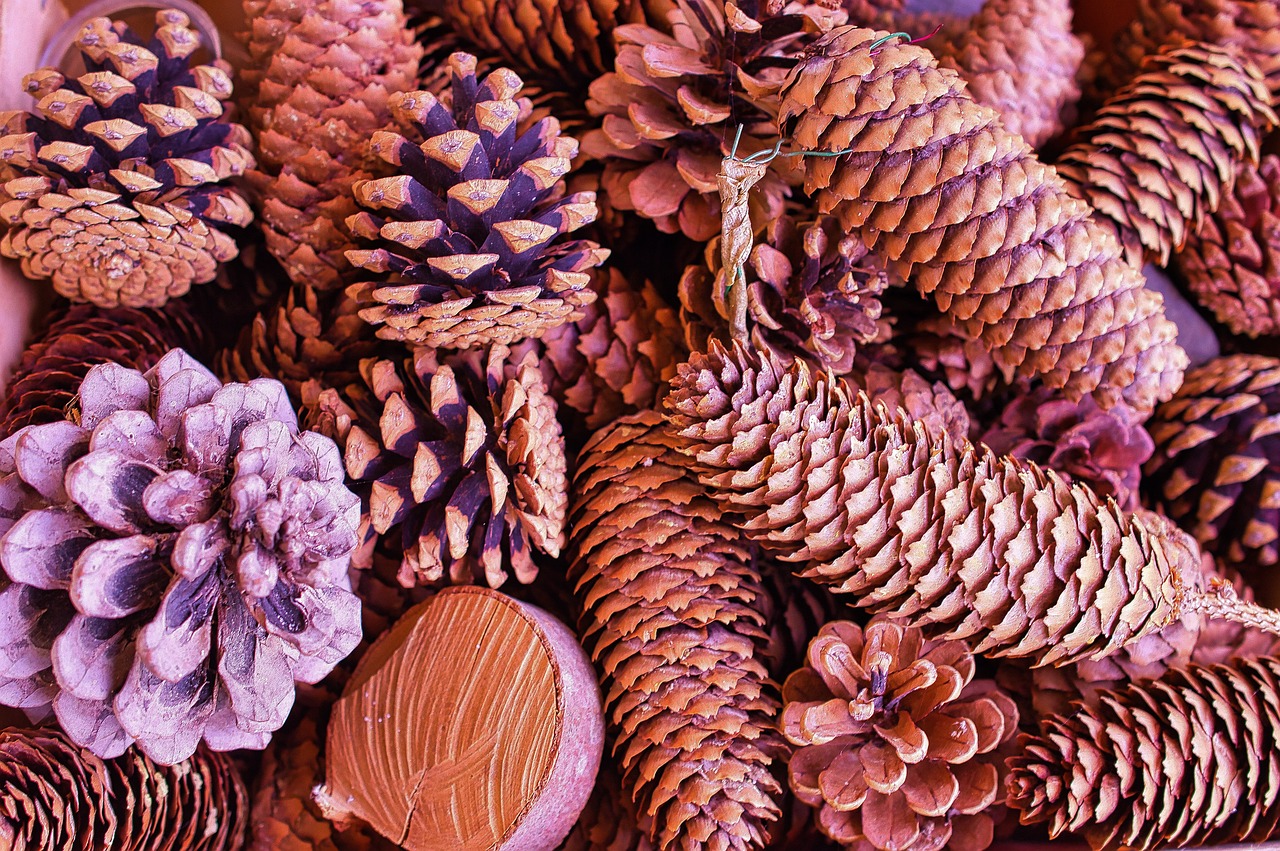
{"x": 824, "y": 364}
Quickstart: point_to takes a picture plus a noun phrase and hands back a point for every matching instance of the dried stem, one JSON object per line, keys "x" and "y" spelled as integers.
{"x": 736, "y": 236}
{"x": 1219, "y": 600}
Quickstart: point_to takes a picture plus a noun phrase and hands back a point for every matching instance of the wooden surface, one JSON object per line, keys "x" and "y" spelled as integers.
{"x": 474, "y": 724}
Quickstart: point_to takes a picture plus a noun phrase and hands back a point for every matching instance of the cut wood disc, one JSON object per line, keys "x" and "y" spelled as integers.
{"x": 473, "y": 724}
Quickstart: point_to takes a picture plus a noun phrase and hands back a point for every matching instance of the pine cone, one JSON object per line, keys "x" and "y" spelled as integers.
{"x": 811, "y": 293}
{"x": 910, "y": 523}
{"x": 1021, "y": 58}
{"x": 670, "y": 619}
{"x": 896, "y": 743}
{"x": 1232, "y": 263}
{"x": 466, "y": 239}
{"x": 1216, "y": 467}
{"x": 1206, "y": 741}
{"x": 930, "y": 404}
{"x": 616, "y": 359}
{"x": 1164, "y": 149}
{"x": 123, "y": 186}
{"x": 674, "y": 105}
{"x": 961, "y": 207}
{"x": 176, "y": 557}
{"x": 54, "y": 794}
{"x": 462, "y": 455}
{"x": 43, "y": 387}
{"x": 1083, "y": 443}
{"x": 316, "y": 87}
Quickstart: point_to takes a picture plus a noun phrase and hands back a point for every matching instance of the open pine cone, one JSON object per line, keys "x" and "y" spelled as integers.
{"x": 123, "y": 175}
{"x": 896, "y": 743}
{"x": 176, "y": 557}
{"x": 467, "y": 239}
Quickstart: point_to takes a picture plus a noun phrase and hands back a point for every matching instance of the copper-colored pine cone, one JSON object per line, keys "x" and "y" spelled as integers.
{"x": 315, "y": 90}
{"x": 1216, "y": 467}
{"x": 908, "y": 522}
{"x": 55, "y": 794}
{"x": 896, "y": 743}
{"x": 467, "y": 243}
{"x": 961, "y": 207}
{"x": 668, "y": 591}
{"x": 123, "y": 174}
{"x": 674, "y": 103}
{"x": 1162, "y": 151}
{"x": 1232, "y": 263}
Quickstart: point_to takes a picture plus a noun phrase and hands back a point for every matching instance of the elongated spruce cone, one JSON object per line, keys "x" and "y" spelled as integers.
{"x": 123, "y": 183}
{"x": 55, "y": 794}
{"x": 176, "y": 556}
{"x": 1188, "y": 759}
{"x": 961, "y": 207}
{"x": 1162, "y": 151}
{"x": 908, "y": 522}
{"x": 671, "y": 619}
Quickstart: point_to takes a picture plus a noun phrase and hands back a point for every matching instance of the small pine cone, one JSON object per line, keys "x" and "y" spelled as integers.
{"x": 466, "y": 240}
{"x": 811, "y": 293}
{"x": 57, "y": 795}
{"x": 44, "y": 385}
{"x": 896, "y": 743}
{"x": 671, "y": 620}
{"x": 910, "y": 523}
{"x": 1021, "y": 58}
{"x": 176, "y": 557}
{"x": 1161, "y": 152}
{"x": 1216, "y": 467}
{"x": 616, "y": 359}
{"x": 307, "y": 334}
{"x": 124, "y": 172}
{"x": 1204, "y": 740}
{"x": 1232, "y": 263}
{"x": 1083, "y": 443}
{"x": 316, "y": 87}
{"x": 674, "y": 105}
{"x": 930, "y": 404}
{"x": 463, "y": 460}
{"x": 961, "y": 207}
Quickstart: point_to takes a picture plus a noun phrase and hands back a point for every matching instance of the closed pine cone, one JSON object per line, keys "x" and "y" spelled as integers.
{"x": 673, "y": 105}
{"x": 1161, "y": 152}
{"x": 812, "y": 293}
{"x": 1232, "y": 263}
{"x": 910, "y": 523}
{"x": 1216, "y": 467}
{"x": 896, "y": 743}
{"x": 123, "y": 173}
{"x": 316, "y": 88}
{"x": 467, "y": 239}
{"x": 57, "y": 795}
{"x": 461, "y": 460}
{"x": 175, "y": 558}
{"x": 671, "y": 620}
{"x": 961, "y": 207}
{"x": 1188, "y": 759}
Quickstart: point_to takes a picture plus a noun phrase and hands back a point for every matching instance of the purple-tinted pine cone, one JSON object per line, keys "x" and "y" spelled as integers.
{"x": 175, "y": 558}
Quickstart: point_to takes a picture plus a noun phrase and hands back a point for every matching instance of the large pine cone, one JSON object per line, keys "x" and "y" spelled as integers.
{"x": 176, "y": 558}
{"x": 962, "y": 208}
{"x": 1232, "y": 263}
{"x": 1162, "y": 151}
{"x": 1216, "y": 467}
{"x": 123, "y": 173}
{"x": 467, "y": 239}
{"x": 463, "y": 460}
{"x": 811, "y": 293}
{"x": 674, "y": 105}
{"x": 55, "y": 795}
{"x": 896, "y": 743}
{"x": 671, "y": 619}
{"x": 315, "y": 89}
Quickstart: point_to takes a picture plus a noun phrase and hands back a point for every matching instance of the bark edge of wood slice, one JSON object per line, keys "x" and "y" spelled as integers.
{"x": 474, "y": 723}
